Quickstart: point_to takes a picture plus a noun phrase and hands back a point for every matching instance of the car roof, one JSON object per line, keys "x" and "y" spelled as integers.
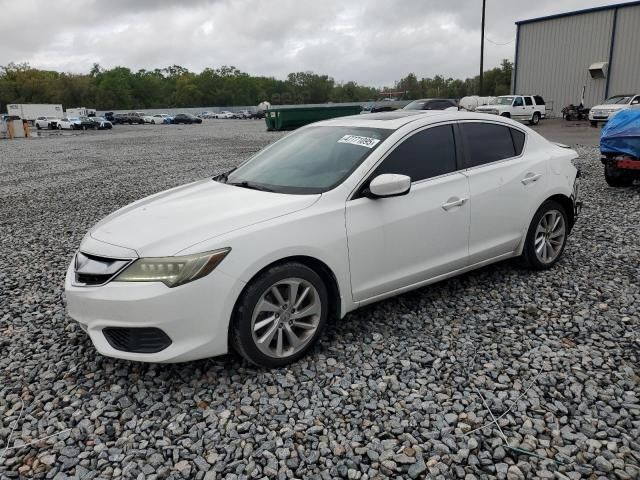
{"x": 399, "y": 118}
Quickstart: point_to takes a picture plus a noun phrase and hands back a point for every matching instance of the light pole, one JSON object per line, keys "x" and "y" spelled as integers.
{"x": 484, "y": 4}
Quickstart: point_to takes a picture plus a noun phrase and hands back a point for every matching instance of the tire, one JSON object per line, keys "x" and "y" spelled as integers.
{"x": 277, "y": 323}
{"x": 617, "y": 178}
{"x": 59, "y": 127}
{"x": 507, "y": 115}
{"x": 38, "y": 127}
{"x": 535, "y": 119}
{"x": 593, "y": 124}
{"x": 550, "y": 239}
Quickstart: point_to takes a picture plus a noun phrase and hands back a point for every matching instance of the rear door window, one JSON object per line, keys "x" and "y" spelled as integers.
{"x": 528, "y": 101}
{"x": 487, "y": 142}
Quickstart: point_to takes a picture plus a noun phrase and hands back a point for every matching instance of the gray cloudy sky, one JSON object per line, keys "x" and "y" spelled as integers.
{"x": 372, "y": 42}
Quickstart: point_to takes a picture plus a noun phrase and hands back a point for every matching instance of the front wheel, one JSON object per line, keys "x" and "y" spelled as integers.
{"x": 546, "y": 237}
{"x": 593, "y": 124}
{"x": 535, "y": 119}
{"x": 280, "y": 315}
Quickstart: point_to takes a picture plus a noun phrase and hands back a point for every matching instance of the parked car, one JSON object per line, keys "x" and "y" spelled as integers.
{"x": 109, "y": 116}
{"x": 620, "y": 147}
{"x": 207, "y": 114}
{"x": 225, "y": 114}
{"x": 102, "y": 123}
{"x": 244, "y": 114}
{"x": 432, "y": 104}
{"x": 375, "y": 108}
{"x": 147, "y": 119}
{"x": 159, "y": 118}
{"x": 336, "y": 215}
{"x": 137, "y": 117}
{"x": 530, "y": 108}
{"x": 47, "y": 122}
{"x": 76, "y": 123}
{"x": 612, "y": 105}
{"x": 128, "y": 118}
{"x": 186, "y": 118}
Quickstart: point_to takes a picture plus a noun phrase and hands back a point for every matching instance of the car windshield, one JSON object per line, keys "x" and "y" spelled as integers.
{"x": 415, "y": 105}
{"x": 311, "y": 160}
{"x": 504, "y": 100}
{"x": 618, "y": 99}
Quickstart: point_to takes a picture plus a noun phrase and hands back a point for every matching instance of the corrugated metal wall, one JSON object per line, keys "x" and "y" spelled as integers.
{"x": 554, "y": 55}
{"x": 625, "y": 68}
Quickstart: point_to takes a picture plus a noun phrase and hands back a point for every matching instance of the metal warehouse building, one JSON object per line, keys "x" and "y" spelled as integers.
{"x": 598, "y": 47}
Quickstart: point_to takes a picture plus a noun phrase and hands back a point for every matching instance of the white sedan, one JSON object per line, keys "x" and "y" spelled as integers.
{"x": 225, "y": 114}
{"x": 69, "y": 123}
{"x": 336, "y": 215}
{"x": 47, "y": 122}
{"x": 157, "y": 119}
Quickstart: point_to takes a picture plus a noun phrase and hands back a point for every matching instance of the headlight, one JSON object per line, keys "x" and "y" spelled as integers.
{"x": 173, "y": 271}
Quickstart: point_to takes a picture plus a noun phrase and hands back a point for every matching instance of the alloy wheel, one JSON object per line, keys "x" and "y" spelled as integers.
{"x": 550, "y": 236}
{"x": 286, "y": 317}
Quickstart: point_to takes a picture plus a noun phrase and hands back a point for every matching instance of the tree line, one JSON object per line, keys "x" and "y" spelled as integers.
{"x": 120, "y": 88}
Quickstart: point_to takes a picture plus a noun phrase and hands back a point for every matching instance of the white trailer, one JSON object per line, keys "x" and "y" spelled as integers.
{"x": 31, "y": 111}
{"x": 80, "y": 112}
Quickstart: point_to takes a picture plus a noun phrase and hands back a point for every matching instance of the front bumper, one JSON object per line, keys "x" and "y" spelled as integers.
{"x": 195, "y": 316}
{"x": 575, "y": 197}
{"x": 599, "y": 116}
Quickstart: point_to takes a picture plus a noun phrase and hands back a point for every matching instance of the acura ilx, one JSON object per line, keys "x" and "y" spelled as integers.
{"x": 333, "y": 216}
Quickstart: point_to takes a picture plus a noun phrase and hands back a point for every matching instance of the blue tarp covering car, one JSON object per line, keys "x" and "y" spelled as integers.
{"x": 621, "y": 134}
{"x": 620, "y": 148}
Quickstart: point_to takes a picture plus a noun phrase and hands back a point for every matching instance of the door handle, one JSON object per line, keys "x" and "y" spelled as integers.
{"x": 454, "y": 202}
{"x": 531, "y": 177}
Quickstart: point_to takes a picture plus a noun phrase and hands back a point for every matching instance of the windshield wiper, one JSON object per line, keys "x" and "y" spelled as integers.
{"x": 223, "y": 176}
{"x": 252, "y": 186}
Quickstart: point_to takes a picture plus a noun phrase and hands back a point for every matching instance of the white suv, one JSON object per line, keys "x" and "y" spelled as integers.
{"x": 612, "y": 105}
{"x": 529, "y": 108}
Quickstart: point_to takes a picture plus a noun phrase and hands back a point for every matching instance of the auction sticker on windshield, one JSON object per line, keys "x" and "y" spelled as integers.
{"x": 367, "y": 142}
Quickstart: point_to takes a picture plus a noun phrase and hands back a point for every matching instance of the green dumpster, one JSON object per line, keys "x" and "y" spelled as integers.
{"x": 293, "y": 117}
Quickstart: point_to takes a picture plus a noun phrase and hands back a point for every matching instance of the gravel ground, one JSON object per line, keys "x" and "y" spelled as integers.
{"x": 399, "y": 389}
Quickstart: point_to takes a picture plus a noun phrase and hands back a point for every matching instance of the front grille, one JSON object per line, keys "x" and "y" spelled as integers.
{"x": 91, "y": 280}
{"x": 92, "y": 270}
{"x": 137, "y": 340}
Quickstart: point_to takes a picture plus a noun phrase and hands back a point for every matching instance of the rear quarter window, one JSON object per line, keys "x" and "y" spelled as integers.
{"x": 538, "y": 99}
{"x": 518, "y": 138}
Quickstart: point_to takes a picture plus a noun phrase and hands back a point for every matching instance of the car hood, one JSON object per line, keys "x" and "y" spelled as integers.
{"x": 491, "y": 107}
{"x": 170, "y": 221}
{"x": 614, "y": 106}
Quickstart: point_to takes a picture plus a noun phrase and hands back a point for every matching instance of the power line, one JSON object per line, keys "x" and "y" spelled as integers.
{"x": 500, "y": 44}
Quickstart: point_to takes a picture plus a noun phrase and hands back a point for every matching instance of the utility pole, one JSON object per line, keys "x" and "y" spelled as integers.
{"x": 484, "y": 4}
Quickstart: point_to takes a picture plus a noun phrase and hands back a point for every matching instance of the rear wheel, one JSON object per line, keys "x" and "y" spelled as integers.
{"x": 546, "y": 237}
{"x": 616, "y": 177}
{"x": 535, "y": 119}
{"x": 506, "y": 114}
{"x": 280, "y": 315}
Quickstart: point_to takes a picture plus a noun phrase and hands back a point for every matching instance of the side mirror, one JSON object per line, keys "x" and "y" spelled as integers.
{"x": 389, "y": 185}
